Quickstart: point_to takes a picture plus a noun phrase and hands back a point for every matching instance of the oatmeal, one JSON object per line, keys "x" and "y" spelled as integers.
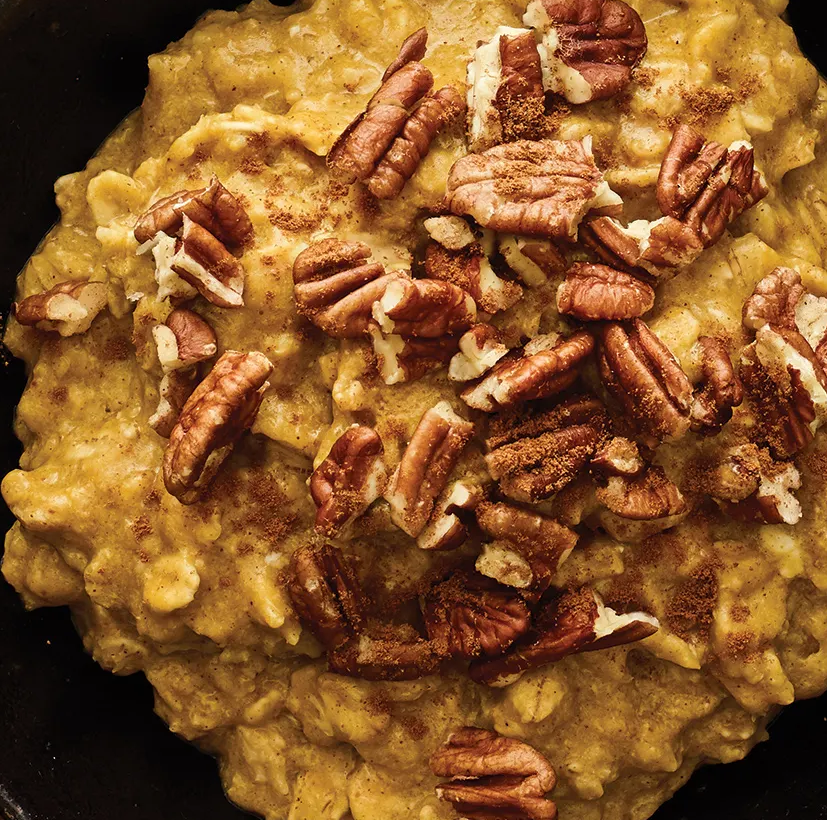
{"x": 427, "y": 399}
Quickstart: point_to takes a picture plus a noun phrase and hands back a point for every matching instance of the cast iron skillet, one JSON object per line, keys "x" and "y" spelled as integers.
{"x": 75, "y": 741}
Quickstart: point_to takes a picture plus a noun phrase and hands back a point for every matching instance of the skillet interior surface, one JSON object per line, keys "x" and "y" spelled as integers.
{"x": 76, "y": 742}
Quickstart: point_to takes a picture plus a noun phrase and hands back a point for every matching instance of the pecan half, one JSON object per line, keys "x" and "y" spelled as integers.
{"x": 214, "y": 208}
{"x": 447, "y": 528}
{"x": 326, "y": 594}
{"x": 787, "y": 386}
{"x": 386, "y": 652}
{"x": 204, "y": 262}
{"x": 349, "y": 480}
{"x": 423, "y": 307}
{"x": 773, "y": 501}
{"x": 402, "y": 159}
{"x": 214, "y": 417}
{"x": 470, "y": 269}
{"x": 774, "y": 300}
{"x": 539, "y": 542}
{"x": 335, "y": 286}
{"x": 570, "y": 622}
{"x": 470, "y": 615}
{"x": 589, "y": 46}
{"x": 534, "y": 455}
{"x": 174, "y": 390}
{"x": 721, "y": 389}
{"x": 597, "y": 293}
{"x": 452, "y": 232}
{"x": 480, "y": 349}
{"x": 618, "y": 457}
{"x": 183, "y": 340}
{"x": 534, "y": 188}
{"x": 646, "y": 497}
{"x": 645, "y": 378}
{"x": 69, "y": 308}
{"x": 406, "y": 360}
{"x": 545, "y": 366}
{"x": 433, "y": 451}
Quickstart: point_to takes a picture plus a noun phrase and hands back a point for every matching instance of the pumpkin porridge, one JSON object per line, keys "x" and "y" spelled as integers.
{"x": 426, "y": 398}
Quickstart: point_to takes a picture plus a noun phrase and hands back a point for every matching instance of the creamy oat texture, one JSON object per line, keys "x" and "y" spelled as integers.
{"x": 193, "y": 596}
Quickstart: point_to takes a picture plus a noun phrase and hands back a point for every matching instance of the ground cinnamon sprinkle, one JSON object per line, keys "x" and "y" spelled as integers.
{"x": 117, "y": 350}
{"x": 693, "y": 604}
{"x": 702, "y": 104}
{"x": 141, "y": 527}
{"x": 60, "y": 394}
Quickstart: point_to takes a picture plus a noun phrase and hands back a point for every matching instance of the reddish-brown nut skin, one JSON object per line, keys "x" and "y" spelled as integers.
{"x": 494, "y": 777}
{"x": 196, "y": 339}
{"x": 402, "y": 159}
{"x": 214, "y": 208}
{"x": 598, "y": 293}
{"x": 618, "y": 457}
{"x": 522, "y": 72}
{"x": 174, "y": 390}
{"x": 339, "y": 486}
{"x": 411, "y": 51}
{"x": 470, "y": 615}
{"x": 721, "y": 388}
{"x": 215, "y": 416}
{"x": 34, "y": 310}
{"x": 774, "y": 300}
{"x": 645, "y": 498}
{"x": 430, "y": 308}
{"x": 326, "y": 594}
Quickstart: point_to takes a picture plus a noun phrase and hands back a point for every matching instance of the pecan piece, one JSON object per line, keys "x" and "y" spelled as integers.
{"x": 645, "y": 378}
{"x": 618, "y": 457}
{"x": 452, "y": 232}
{"x": 597, "y": 293}
{"x": 534, "y": 188}
{"x": 570, "y": 622}
{"x": 480, "y": 349}
{"x": 349, "y": 480}
{"x": 204, "y": 262}
{"x": 494, "y": 777}
{"x": 386, "y": 652}
{"x": 214, "y": 417}
{"x": 647, "y": 497}
{"x": 721, "y": 390}
{"x": 533, "y": 456}
{"x": 406, "y": 360}
{"x": 335, "y": 287}
{"x": 402, "y": 159}
{"x": 423, "y": 307}
{"x": 735, "y": 476}
{"x": 534, "y": 261}
{"x": 774, "y": 300}
{"x": 773, "y": 501}
{"x": 183, "y": 340}
{"x": 174, "y": 390}
{"x": 412, "y": 50}
{"x": 326, "y": 594}
{"x": 545, "y": 366}
{"x": 69, "y": 308}
{"x": 447, "y": 528}
{"x": 471, "y": 615}
{"x": 214, "y": 208}
{"x": 470, "y": 269}
{"x": 528, "y": 547}
{"x": 589, "y": 46}
{"x": 422, "y": 474}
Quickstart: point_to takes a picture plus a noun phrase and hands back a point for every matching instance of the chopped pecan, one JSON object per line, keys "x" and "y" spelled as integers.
{"x": 597, "y": 293}
{"x": 534, "y": 261}
{"x": 494, "y": 777}
{"x": 589, "y": 46}
{"x": 214, "y": 208}
{"x": 532, "y": 456}
{"x": 774, "y": 300}
{"x": 402, "y": 159}
{"x": 349, "y": 480}
{"x": 406, "y": 360}
{"x": 447, "y": 528}
{"x": 811, "y": 321}
{"x": 68, "y": 308}
{"x": 721, "y": 390}
{"x": 572, "y": 621}
{"x": 183, "y": 340}
{"x": 480, "y": 349}
{"x": 773, "y": 500}
{"x": 787, "y": 386}
{"x": 452, "y": 232}
{"x": 175, "y": 388}
{"x": 326, "y": 594}
{"x": 535, "y": 188}
{"x": 411, "y": 51}
{"x": 618, "y": 457}
{"x": 545, "y": 366}
{"x": 386, "y": 652}
{"x": 433, "y": 451}
{"x": 647, "y": 497}
{"x": 425, "y": 308}
{"x": 335, "y": 287}
{"x": 735, "y": 475}
{"x": 645, "y": 378}
{"x": 470, "y": 269}
{"x": 539, "y": 542}
{"x": 471, "y": 615}
{"x": 214, "y": 417}
{"x": 204, "y": 262}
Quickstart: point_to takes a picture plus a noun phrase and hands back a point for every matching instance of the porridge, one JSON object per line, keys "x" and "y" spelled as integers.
{"x": 426, "y": 399}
